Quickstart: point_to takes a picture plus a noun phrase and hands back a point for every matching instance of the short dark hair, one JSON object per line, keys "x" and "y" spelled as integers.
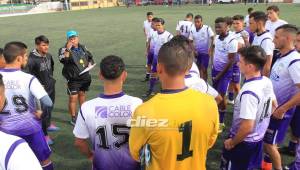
{"x": 12, "y": 50}
{"x": 220, "y": 19}
{"x": 149, "y": 13}
{"x": 298, "y": 33}
{"x": 250, "y": 10}
{"x": 162, "y": 21}
{"x": 259, "y": 16}
{"x": 198, "y": 17}
{"x": 228, "y": 20}
{"x": 112, "y": 67}
{"x": 176, "y": 56}
{"x": 1, "y": 52}
{"x": 189, "y": 15}
{"x": 154, "y": 19}
{"x": 238, "y": 17}
{"x": 273, "y": 8}
{"x": 288, "y": 28}
{"x": 38, "y": 40}
{"x": 254, "y": 55}
{"x": 1, "y": 81}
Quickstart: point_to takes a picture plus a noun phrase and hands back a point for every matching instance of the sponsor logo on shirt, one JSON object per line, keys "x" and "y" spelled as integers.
{"x": 113, "y": 111}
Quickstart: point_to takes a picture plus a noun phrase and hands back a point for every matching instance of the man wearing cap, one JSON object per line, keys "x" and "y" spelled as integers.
{"x": 75, "y": 57}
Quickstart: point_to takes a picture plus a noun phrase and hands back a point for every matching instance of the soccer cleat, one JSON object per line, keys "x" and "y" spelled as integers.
{"x": 287, "y": 151}
{"x": 53, "y": 128}
{"x": 230, "y": 102}
{"x": 221, "y": 127}
{"x": 73, "y": 120}
{"x": 266, "y": 165}
{"x": 49, "y": 140}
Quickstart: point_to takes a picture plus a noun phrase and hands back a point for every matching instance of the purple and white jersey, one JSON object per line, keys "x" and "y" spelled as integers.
{"x": 272, "y": 26}
{"x": 254, "y": 102}
{"x": 152, "y": 38}
{"x": 15, "y": 154}
{"x": 241, "y": 42}
{"x": 105, "y": 121}
{"x": 222, "y": 48}
{"x": 201, "y": 38}
{"x": 265, "y": 41}
{"x": 147, "y": 27}
{"x": 162, "y": 38}
{"x": 21, "y": 90}
{"x": 285, "y": 75}
{"x": 194, "y": 69}
{"x": 184, "y": 27}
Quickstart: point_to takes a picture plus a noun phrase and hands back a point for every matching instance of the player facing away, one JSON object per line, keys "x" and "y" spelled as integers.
{"x": 18, "y": 117}
{"x": 182, "y": 123}
{"x": 163, "y": 36}
{"x": 15, "y": 154}
{"x": 184, "y": 27}
{"x": 151, "y": 39}
{"x": 251, "y": 115}
{"x": 285, "y": 77}
{"x": 242, "y": 37}
{"x": 262, "y": 38}
{"x": 225, "y": 50}
{"x": 273, "y": 19}
{"x": 104, "y": 120}
{"x": 203, "y": 37}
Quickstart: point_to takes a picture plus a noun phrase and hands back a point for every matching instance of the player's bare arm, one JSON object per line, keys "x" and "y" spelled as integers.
{"x": 83, "y": 147}
{"x": 267, "y": 67}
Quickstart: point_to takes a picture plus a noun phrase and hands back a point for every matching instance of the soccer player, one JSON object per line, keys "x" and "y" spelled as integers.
{"x": 15, "y": 154}
{"x": 147, "y": 24}
{"x": 184, "y": 27}
{"x": 18, "y": 118}
{"x": 152, "y": 37}
{"x": 285, "y": 77}
{"x": 104, "y": 120}
{"x": 163, "y": 36}
{"x": 273, "y": 19}
{"x": 252, "y": 112}
{"x": 76, "y": 58}
{"x": 181, "y": 124}
{"x": 262, "y": 38}
{"x": 41, "y": 65}
{"x": 203, "y": 37}
{"x": 225, "y": 50}
{"x": 242, "y": 37}
{"x": 246, "y": 21}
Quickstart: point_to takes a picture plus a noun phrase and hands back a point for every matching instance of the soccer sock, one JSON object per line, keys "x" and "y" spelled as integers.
{"x": 147, "y": 75}
{"x": 152, "y": 83}
{"x": 231, "y": 95}
{"x": 221, "y": 115}
{"x": 292, "y": 146}
{"x": 49, "y": 166}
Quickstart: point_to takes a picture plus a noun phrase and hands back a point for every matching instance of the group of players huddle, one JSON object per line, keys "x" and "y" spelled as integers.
{"x": 175, "y": 128}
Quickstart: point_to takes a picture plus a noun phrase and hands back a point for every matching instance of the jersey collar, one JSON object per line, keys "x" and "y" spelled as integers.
{"x": 188, "y": 76}
{"x": 253, "y": 79}
{"x": 9, "y": 69}
{"x": 112, "y": 96}
{"x": 222, "y": 38}
{"x": 239, "y": 31}
{"x": 281, "y": 56}
{"x": 172, "y": 91}
{"x": 160, "y": 32}
{"x": 262, "y": 33}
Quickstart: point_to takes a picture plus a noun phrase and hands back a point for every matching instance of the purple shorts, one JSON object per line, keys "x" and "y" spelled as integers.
{"x": 236, "y": 74}
{"x": 221, "y": 85}
{"x": 154, "y": 64}
{"x": 202, "y": 60}
{"x": 277, "y": 129}
{"x": 150, "y": 57}
{"x": 245, "y": 155}
{"x": 38, "y": 145}
{"x": 295, "y": 123}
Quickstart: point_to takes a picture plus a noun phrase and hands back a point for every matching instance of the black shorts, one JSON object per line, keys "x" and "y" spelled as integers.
{"x": 74, "y": 86}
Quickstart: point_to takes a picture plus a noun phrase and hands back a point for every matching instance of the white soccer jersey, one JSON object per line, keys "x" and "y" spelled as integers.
{"x": 265, "y": 41}
{"x": 194, "y": 81}
{"x": 21, "y": 90}
{"x": 104, "y": 120}
{"x": 222, "y": 48}
{"x": 285, "y": 74}
{"x": 147, "y": 27}
{"x": 194, "y": 69}
{"x": 162, "y": 38}
{"x": 15, "y": 154}
{"x": 153, "y": 38}
{"x": 239, "y": 36}
{"x": 254, "y": 102}
{"x": 184, "y": 27}
{"x": 272, "y": 26}
{"x": 201, "y": 38}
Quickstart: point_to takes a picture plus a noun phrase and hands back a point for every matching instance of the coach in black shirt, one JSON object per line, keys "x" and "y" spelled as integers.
{"x": 75, "y": 57}
{"x": 41, "y": 65}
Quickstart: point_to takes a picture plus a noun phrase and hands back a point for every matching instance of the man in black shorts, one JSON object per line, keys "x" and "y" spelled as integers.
{"x": 75, "y": 57}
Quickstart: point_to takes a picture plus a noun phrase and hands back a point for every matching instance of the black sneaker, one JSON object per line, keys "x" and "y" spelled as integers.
{"x": 287, "y": 151}
{"x": 73, "y": 120}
